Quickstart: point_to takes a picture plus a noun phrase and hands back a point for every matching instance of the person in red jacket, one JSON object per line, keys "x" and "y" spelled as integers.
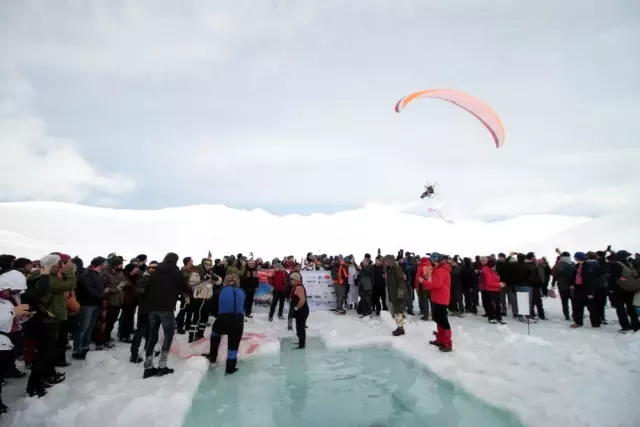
{"x": 440, "y": 288}
{"x": 279, "y": 282}
{"x": 492, "y": 286}
{"x": 423, "y": 276}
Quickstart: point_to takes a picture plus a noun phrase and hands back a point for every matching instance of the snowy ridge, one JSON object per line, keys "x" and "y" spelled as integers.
{"x": 33, "y": 228}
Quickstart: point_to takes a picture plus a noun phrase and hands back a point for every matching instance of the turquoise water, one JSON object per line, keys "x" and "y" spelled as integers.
{"x": 370, "y": 387}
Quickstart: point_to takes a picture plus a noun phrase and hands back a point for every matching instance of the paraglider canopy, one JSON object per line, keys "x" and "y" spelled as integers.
{"x": 481, "y": 110}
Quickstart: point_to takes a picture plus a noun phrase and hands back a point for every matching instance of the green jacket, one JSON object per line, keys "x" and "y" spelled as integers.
{"x": 232, "y": 269}
{"x": 397, "y": 285}
{"x": 56, "y": 299}
{"x": 113, "y": 278}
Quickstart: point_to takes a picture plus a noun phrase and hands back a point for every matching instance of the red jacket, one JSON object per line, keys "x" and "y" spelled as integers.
{"x": 425, "y": 269}
{"x": 491, "y": 279}
{"x": 278, "y": 280}
{"x": 440, "y": 284}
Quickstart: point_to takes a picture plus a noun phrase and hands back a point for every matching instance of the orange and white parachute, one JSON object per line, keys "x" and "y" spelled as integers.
{"x": 476, "y": 107}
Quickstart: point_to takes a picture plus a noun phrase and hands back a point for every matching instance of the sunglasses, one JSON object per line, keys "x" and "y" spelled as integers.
{"x": 151, "y": 268}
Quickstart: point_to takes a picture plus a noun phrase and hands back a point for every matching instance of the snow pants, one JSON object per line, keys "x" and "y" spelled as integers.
{"x": 232, "y": 326}
{"x": 198, "y": 312}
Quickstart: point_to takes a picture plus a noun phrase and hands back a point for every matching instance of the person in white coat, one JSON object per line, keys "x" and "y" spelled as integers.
{"x": 352, "y": 297}
{"x": 12, "y": 281}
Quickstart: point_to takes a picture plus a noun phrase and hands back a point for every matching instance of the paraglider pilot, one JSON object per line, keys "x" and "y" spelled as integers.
{"x": 228, "y": 309}
{"x": 429, "y": 191}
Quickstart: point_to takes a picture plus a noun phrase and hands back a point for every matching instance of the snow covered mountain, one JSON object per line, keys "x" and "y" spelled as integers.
{"x": 34, "y": 228}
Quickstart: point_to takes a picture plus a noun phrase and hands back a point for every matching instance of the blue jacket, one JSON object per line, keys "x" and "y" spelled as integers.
{"x": 230, "y": 300}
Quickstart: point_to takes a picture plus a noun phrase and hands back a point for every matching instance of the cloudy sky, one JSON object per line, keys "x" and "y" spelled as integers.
{"x": 288, "y": 105}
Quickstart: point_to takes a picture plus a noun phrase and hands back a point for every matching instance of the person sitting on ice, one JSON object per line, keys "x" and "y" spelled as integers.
{"x": 228, "y": 309}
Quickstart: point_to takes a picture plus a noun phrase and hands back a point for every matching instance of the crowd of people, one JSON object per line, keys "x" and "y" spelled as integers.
{"x": 49, "y": 303}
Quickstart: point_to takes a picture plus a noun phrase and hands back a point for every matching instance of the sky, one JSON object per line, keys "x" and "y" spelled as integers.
{"x": 288, "y": 105}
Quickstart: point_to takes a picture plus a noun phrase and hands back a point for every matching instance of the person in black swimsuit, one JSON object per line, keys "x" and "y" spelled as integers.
{"x": 300, "y": 307}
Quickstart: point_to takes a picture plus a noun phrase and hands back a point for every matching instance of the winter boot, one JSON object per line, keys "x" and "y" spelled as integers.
{"x": 231, "y": 366}
{"x": 214, "y": 343}
{"x": 35, "y": 386}
{"x": 135, "y": 358}
{"x": 150, "y": 372}
{"x": 438, "y": 336}
{"x": 399, "y": 331}
{"x": 3, "y": 408}
{"x": 447, "y": 343}
{"x": 164, "y": 371}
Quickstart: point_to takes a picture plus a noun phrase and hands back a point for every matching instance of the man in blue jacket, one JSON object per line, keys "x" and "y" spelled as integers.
{"x": 228, "y": 309}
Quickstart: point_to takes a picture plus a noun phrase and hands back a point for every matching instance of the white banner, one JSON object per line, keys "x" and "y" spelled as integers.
{"x": 320, "y": 292}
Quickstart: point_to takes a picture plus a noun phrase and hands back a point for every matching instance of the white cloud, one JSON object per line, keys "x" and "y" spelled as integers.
{"x": 290, "y": 102}
{"x": 36, "y": 165}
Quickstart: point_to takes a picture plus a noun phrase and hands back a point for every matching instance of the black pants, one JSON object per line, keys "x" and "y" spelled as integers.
{"x": 456, "y": 304}
{"x": 379, "y": 296}
{"x": 125, "y": 326}
{"x": 365, "y": 302}
{"x": 141, "y": 332}
{"x": 248, "y": 301}
{"x": 277, "y": 298}
{"x": 110, "y": 321}
{"x": 199, "y": 313}
{"x": 536, "y": 302}
{"x": 600, "y": 302}
{"x": 483, "y": 297}
{"x": 6, "y": 362}
{"x": 440, "y": 315}
{"x": 44, "y": 364}
{"x": 565, "y": 297}
{"x": 627, "y": 314}
{"x": 492, "y": 305}
{"x": 580, "y": 301}
{"x": 233, "y": 327}
{"x": 62, "y": 340}
{"x": 545, "y": 289}
{"x": 469, "y": 300}
{"x": 301, "y": 323}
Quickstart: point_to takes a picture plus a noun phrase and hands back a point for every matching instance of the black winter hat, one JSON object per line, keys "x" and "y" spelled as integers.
{"x": 98, "y": 261}
{"x": 21, "y": 263}
{"x": 141, "y": 258}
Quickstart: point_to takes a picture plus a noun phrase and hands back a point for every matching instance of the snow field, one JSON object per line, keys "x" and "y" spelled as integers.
{"x": 554, "y": 377}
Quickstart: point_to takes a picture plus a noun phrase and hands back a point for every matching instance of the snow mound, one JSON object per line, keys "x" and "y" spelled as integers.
{"x": 619, "y": 229}
{"x": 32, "y": 229}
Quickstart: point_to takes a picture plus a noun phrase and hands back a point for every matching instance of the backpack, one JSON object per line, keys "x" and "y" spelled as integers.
{"x": 334, "y": 273}
{"x": 629, "y": 279}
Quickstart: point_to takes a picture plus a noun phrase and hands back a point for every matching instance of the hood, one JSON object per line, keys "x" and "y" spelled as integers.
{"x": 164, "y": 268}
{"x": 424, "y": 261}
{"x": 566, "y": 259}
{"x": 446, "y": 267}
{"x": 13, "y": 280}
